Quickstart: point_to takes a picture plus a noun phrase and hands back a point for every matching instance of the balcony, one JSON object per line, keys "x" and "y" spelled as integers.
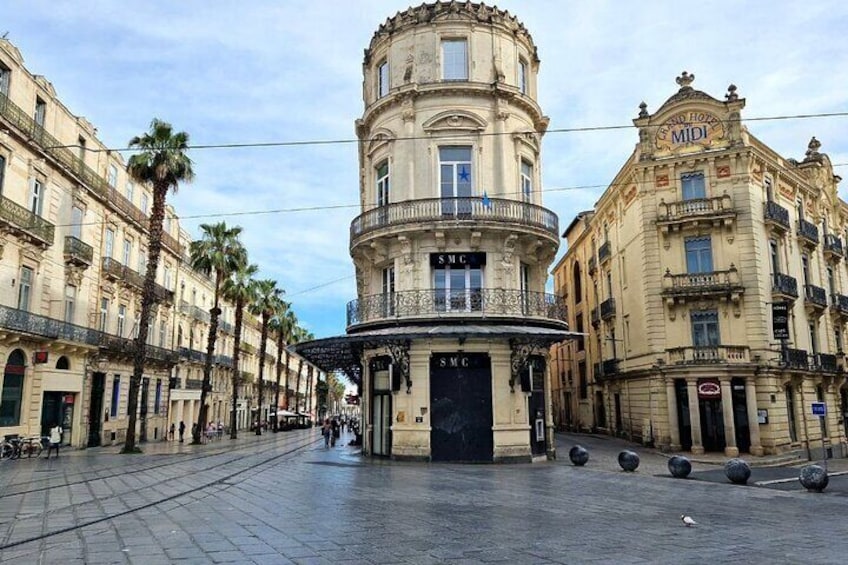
{"x": 247, "y": 348}
{"x": 224, "y": 360}
{"x": 73, "y": 165}
{"x": 608, "y": 309}
{"x": 825, "y": 362}
{"x": 78, "y": 252}
{"x": 116, "y": 272}
{"x": 595, "y": 317}
{"x": 784, "y": 287}
{"x": 694, "y": 212}
{"x": 815, "y": 298}
{"x": 489, "y": 304}
{"x": 225, "y": 327}
{"x": 708, "y": 355}
{"x": 677, "y": 288}
{"x": 605, "y": 369}
{"x": 192, "y": 354}
{"x": 199, "y": 314}
{"x": 194, "y": 384}
{"x": 184, "y": 307}
{"x": 461, "y": 211}
{"x": 26, "y": 225}
{"x": 604, "y": 252}
{"x": 795, "y": 359}
{"x": 51, "y": 329}
{"x": 833, "y": 247}
{"x": 840, "y": 305}
{"x": 808, "y": 233}
{"x": 776, "y": 217}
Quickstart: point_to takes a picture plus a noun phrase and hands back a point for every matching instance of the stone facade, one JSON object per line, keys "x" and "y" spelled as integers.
{"x": 673, "y": 276}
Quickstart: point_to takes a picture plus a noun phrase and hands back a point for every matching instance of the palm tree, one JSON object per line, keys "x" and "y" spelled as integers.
{"x": 277, "y": 325}
{"x": 267, "y": 302}
{"x": 220, "y": 251}
{"x": 238, "y": 289}
{"x": 299, "y": 335}
{"x": 289, "y": 324}
{"x": 162, "y": 162}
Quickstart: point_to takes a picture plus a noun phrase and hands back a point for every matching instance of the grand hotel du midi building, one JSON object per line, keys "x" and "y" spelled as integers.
{"x": 712, "y": 283}
{"x": 450, "y": 335}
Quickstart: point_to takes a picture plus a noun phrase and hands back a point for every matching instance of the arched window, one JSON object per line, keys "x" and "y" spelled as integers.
{"x": 63, "y": 364}
{"x": 11, "y": 397}
{"x": 179, "y": 336}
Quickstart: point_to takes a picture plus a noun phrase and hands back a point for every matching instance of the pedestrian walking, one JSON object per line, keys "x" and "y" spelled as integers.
{"x": 55, "y": 440}
{"x": 326, "y": 431}
{"x": 182, "y": 431}
{"x": 171, "y": 432}
{"x": 334, "y": 427}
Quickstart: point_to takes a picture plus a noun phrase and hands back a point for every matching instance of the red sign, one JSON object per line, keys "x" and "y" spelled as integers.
{"x": 39, "y": 357}
{"x": 709, "y": 389}
{"x": 69, "y": 399}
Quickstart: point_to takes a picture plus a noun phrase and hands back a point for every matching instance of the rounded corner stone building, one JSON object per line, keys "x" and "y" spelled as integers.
{"x": 449, "y": 337}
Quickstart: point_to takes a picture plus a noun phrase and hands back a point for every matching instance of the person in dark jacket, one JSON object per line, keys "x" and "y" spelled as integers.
{"x": 182, "y": 431}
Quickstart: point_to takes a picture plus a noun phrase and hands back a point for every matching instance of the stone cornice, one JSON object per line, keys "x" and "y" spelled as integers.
{"x": 453, "y": 11}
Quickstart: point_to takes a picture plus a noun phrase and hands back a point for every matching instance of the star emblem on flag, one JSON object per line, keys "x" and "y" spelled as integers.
{"x": 464, "y": 175}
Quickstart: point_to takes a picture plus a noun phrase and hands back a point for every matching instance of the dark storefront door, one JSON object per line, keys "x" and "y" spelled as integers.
{"x": 51, "y": 411}
{"x": 740, "y": 415}
{"x": 683, "y": 420}
{"x": 712, "y": 424}
{"x": 95, "y": 414}
{"x": 145, "y": 387}
{"x": 533, "y": 381}
{"x": 381, "y": 406}
{"x": 461, "y": 407}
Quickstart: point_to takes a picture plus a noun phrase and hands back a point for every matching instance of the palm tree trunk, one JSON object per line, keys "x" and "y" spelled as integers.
{"x": 263, "y": 346}
{"x": 297, "y": 386}
{"x": 154, "y": 247}
{"x": 288, "y": 359}
{"x": 279, "y": 371}
{"x": 236, "y": 372}
{"x": 214, "y": 313}
{"x": 309, "y": 389}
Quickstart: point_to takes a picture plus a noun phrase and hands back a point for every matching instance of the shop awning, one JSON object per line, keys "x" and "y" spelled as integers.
{"x": 344, "y": 353}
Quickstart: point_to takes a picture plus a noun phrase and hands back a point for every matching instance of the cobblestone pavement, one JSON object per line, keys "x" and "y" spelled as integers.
{"x": 284, "y": 498}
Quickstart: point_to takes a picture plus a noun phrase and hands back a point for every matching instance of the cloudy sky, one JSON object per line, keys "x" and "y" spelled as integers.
{"x": 232, "y": 72}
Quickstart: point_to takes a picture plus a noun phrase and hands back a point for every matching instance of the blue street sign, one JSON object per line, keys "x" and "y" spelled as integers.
{"x": 818, "y": 408}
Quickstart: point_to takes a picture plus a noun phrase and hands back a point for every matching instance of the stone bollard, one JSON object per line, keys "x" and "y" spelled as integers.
{"x": 738, "y": 471}
{"x": 813, "y": 478}
{"x": 628, "y": 460}
{"x": 679, "y": 467}
{"x": 578, "y": 455}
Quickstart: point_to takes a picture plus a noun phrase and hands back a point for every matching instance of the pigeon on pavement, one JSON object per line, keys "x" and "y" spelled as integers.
{"x": 687, "y": 520}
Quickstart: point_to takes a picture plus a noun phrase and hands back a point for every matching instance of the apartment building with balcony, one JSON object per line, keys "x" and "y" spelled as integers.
{"x": 674, "y": 276}
{"x": 449, "y": 336}
{"x": 73, "y": 250}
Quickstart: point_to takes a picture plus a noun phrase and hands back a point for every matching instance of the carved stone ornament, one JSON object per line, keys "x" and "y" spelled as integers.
{"x": 73, "y": 274}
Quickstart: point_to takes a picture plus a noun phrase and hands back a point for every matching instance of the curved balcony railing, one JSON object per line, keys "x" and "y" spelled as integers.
{"x": 480, "y": 303}
{"x": 472, "y": 208}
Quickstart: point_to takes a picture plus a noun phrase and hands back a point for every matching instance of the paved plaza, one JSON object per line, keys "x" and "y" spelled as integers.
{"x": 284, "y": 498}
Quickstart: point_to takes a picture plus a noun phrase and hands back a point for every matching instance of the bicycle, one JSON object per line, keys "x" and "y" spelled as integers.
{"x": 15, "y": 448}
{"x": 32, "y": 446}
{"x": 8, "y": 449}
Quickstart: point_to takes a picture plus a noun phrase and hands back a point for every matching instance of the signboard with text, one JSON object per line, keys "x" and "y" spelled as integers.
{"x": 818, "y": 408}
{"x": 780, "y": 320}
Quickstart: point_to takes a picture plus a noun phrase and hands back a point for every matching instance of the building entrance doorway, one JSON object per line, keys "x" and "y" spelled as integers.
{"x": 95, "y": 413}
{"x": 461, "y": 407}
{"x": 740, "y": 415}
{"x": 381, "y": 418}
{"x": 712, "y": 424}
{"x": 683, "y": 417}
{"x": 533, "y": 381}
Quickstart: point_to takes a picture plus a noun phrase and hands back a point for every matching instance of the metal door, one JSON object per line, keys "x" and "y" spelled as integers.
{"x": 461, "y": 407}
{"x": 381, "y": 419}
{"x": 95, "y": 412}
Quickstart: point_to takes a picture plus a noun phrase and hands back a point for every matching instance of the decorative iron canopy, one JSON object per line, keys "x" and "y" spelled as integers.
{"x": 344, "y": 353}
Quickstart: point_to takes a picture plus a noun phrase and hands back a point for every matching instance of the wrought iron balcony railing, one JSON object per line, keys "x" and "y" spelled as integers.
{"x": 607, "y": 309}
{"x": 717, "y": 207}
{"x": 194, "y": 384}
{"x": 605, "y": 369}
{"x": 224, "y": 360}
{"x": 192, "y": 354}
{"x": 796, "y": 358}
{"x": 776, "y": 215}
{"x": 710, "y": 354}
{"x": 808, "y": 232}
{"x": 247, "y": 348}
{"x": 825, "y": 362}
{"x": 225, "y": 327}
{"x": 784, "y": 285}
{"x": 840, "y": 303}
{"x": 78, "y": 252}
{"x": 60, "y": 152}
{"x": 25, "y": 223}
{"x": 478, "y": 304}
{"x": 200, "y": 314}
{"x": 833, "y": 246}
{"x": 114, "y": 270}
{"x": 473, "y": 208}
{"x": 604, "y": 251}
{"x": 815, "y": 295}
{"x": 53, "y": 329}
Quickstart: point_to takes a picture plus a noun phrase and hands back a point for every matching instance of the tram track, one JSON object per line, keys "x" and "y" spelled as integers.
{"x": 245, "y": 468}
{"x": 173, "y": 459}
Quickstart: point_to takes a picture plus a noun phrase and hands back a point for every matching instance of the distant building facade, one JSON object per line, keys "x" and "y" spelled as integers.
{"x": 74, "y": 251}
{"x": 449, "y": 336}
{"x": 706, "y": 247}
